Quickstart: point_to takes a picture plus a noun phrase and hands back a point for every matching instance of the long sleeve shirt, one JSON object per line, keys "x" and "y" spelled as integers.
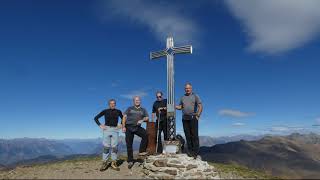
{"x": 111, "y": 117}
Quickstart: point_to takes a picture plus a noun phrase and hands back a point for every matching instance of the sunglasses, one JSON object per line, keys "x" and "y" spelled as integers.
{"x": 159, "y": 96}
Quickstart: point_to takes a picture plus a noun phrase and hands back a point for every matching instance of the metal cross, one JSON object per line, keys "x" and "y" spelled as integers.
{"x": 169, "y": 52}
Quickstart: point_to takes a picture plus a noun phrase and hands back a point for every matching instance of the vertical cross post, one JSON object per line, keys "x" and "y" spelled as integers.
{"x": 169, "y": 52}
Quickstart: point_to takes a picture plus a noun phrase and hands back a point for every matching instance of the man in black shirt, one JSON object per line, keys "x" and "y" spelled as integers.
{"x": 160, "y": 108}
{"x": 110, "y": 135}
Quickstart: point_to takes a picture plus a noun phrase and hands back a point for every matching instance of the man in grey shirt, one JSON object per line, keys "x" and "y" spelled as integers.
{"x": 191, "y": 107}
{"x": 133, "y": 117}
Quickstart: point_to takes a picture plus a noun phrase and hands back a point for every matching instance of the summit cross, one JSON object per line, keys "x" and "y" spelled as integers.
{"x": 169, "y": 52}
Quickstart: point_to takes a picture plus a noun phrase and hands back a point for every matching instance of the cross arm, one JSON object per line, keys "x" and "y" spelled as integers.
{"x": 157, "y": 54}
{"x": 183, "y": 49}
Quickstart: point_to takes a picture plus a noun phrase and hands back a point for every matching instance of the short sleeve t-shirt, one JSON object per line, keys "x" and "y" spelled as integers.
{"x": 135, "y": 114}
{"x": 190, "y": 103}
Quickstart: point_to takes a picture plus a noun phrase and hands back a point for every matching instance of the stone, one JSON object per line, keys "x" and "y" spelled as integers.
{"x": 160, "y": 163}
{"x": 174, "y": 161}
{"x": 149, "y": 160}
{"x": 186, "y": 174}
{"x": 151, "y": 167}
{"x": 146, "y": 172}
{"x": 191, "y": 166}
{"x": 160, "y": 175}
{"x": 176, "y": 165}
{"x": 171, "y": 171}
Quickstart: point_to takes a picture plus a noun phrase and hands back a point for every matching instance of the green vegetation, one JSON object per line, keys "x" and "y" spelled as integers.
{"x": 232, "y": 170}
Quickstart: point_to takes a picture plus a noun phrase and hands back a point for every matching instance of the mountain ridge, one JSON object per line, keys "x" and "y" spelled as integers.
{"x": 23, "y": 149}
{"x": 292, "y": 156}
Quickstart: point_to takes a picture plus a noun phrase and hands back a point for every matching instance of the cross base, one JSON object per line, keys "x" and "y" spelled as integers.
{"x": 171, "y": 147}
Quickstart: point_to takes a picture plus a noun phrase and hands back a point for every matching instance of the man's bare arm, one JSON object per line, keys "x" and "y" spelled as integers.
{"x": 152, "y": 116}
{"x": 145, "y": 119}
{"x": 124, "y": 119}
{"x": 200, "y": 108}
{"x": 179, "y": 107}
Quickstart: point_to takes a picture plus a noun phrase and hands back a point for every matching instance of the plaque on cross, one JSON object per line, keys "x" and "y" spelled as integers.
{"x": 169, "y": 52}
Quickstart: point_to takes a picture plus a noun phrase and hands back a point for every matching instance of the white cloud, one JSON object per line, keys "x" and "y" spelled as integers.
{"x": 162, "y": 19}
{"x": 277, "y": 26}
{"x": 238, "y": 124}
{"x": 234, "y": 113}
{"x": 288, "y": 129}
{"x": 279, "y": 129}
{"x": 131, "y": 94}
{"x": 317, "y": 123}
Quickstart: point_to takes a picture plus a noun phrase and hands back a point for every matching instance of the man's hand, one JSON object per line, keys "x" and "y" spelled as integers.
{"x": 140, "y": 122}
{"x": 124, "y": 129}
{"x": 198, "y": 116}
{"x": 103, "y": 127}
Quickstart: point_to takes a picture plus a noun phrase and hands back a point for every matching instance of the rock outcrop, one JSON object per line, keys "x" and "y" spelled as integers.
{"x": 177, "y": 166}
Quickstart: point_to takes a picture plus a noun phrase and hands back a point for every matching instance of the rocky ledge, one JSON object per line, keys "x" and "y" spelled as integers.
{"x": 177, "y": 166}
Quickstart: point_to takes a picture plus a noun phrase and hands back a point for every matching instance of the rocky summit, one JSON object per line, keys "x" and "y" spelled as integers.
{"x": 177, "y": 166}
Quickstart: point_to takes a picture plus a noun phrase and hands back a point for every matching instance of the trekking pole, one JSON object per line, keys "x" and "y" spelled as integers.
{"x": 158, "y": 132}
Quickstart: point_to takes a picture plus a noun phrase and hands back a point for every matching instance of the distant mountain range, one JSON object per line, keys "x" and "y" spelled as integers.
{"x": 293, "y": 156}
{"x": 210, "y": 141}
{"x": 13, "y": 151}
{"x": 27, "y": 150}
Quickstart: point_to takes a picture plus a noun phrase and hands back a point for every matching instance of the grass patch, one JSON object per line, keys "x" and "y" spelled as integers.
{"x": 232, "y": 170}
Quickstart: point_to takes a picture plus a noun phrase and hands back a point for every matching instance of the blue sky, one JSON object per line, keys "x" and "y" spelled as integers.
{"x": 255, "y": 63}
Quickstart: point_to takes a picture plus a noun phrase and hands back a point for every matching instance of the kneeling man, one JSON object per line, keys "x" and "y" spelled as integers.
{"x": 133, "y": 117}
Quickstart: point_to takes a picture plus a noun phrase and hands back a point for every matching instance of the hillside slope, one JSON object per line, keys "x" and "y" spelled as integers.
{"x": 294, "y": 156}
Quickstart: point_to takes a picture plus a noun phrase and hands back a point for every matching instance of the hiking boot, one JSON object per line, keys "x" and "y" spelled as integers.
{"x": 104, "y": 166}
{"x": 195, "y": 156}
{"x": 190, "y": 154}
{"x": 130, "y": 165}
{"x": 114, "y": 166}
{"x": 143, "y": 154}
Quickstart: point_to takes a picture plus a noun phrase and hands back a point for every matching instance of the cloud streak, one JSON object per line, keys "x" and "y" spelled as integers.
{"x": 163, "y": 19}
{"x": 288, "y": 129}
{"x": 234, "y": 113}
{"x": 238, "y": 124}
{"x": 131, "y": 94}
{"x": 277, "y": 26}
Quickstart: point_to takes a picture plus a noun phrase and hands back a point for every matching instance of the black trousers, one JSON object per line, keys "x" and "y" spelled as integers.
{"x": 130, "y": 132}
{"x": 190, "y": 128}
{"x": 162, "y": 128}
